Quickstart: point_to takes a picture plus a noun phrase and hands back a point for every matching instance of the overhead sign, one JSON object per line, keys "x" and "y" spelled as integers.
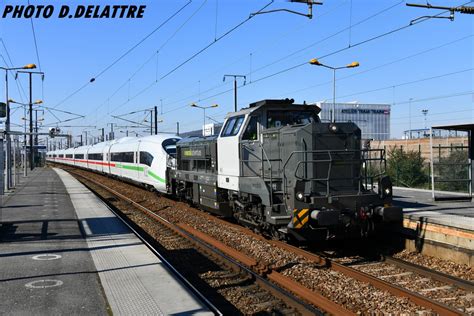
{"x": 208, "y": 130}
{"x": 366, "y": 111}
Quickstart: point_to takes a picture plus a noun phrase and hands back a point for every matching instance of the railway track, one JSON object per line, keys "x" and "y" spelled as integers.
{"x": 247, "y": 271}
{"x": 270, "y": 273}
{"x": 439, "y": 287}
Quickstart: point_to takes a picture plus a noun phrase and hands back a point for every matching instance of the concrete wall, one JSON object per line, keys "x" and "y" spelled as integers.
{"x": 420, "y": 144}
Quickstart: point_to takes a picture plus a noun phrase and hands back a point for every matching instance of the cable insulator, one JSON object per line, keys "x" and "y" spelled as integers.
{"x": 466, "y": 10}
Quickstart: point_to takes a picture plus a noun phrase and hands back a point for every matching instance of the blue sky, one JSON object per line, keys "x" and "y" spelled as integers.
{"x": 429, "y": 62}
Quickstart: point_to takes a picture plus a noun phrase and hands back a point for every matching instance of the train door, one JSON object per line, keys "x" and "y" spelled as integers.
{"x": 228, "y": 153}
{"x": 108, "y": 158}
{"x": 142, "y": 171}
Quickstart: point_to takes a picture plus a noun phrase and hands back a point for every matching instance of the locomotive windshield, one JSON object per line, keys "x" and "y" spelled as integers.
{"x": 169, "y": 145}
{"x": 283, "y": 118}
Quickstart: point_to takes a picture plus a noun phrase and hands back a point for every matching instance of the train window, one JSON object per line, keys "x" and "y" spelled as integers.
{"x": 68, "y": 155}
{"x": 146, "y": 158}
{"x": 94, "y": 156}
{"x": 122, "y": 157}
{"x": 79, "y": 156}
{"x": 232, "y": 126}
{"x": 169, "y": 145}
{"x": 283, "y": 118}
{"x": 251, "y": 130}
{"x": 128, "y": 157}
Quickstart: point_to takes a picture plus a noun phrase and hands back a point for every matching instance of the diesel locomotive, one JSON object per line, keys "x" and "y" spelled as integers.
{"x": 274, "y": 167}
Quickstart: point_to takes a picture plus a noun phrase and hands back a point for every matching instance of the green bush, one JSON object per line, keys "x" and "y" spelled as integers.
{"x": 407, "y": 168}
{"x": 453, "y": 171}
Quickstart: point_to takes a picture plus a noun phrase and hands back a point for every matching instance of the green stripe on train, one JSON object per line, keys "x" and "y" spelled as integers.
{"x": 153, "y": 175}
{"x": 135, "y": 168}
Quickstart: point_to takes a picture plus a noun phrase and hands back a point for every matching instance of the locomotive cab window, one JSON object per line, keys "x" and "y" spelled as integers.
{"x": 146, "y": 158}
{"x": 232, "y": 126}
{"x": 251, "y": 132}
{"x": 169, "y": 145}
{"x": 283, "y": 118}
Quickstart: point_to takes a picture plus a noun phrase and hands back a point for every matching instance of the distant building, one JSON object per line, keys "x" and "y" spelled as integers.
{"x": 372, "y": 119}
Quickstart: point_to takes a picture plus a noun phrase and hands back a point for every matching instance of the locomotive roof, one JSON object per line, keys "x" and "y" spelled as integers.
{"x": 287, "y": 104}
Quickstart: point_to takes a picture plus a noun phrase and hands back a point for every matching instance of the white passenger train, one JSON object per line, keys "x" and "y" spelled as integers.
{"x": 143, "y": 160}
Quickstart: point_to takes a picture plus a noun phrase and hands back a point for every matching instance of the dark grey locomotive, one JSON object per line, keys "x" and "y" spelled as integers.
{"x": 277, "y": 168}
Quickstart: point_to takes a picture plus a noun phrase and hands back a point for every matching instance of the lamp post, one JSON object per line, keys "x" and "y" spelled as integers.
{"x": 409, "y": 117}
{"x": 204, "y": 108}
{"x": 316, "y": 62}
{"x": 25, "y": 173}
{"x": 30, "y": 74}
{"x": 8, "y": 183}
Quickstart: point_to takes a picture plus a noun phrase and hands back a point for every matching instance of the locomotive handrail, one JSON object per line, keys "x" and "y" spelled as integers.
{"x": 271, "y": 172}
{"x": 331, "y": 160}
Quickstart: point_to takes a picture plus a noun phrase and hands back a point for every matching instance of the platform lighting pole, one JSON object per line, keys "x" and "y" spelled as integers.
{"x": 316, "y": 62}
{"x": 235, "y": 87}
{"x": 156, "y": 120}
{"x": 30, "y": 105}
{"x": 204, "y": 108}
{"x": 409, "y": 117}
{"x": 151, "y": 121}
{"x": 425, "y": 113}
{"x": 30, "y": 74}
{"x": 9, "y": 182}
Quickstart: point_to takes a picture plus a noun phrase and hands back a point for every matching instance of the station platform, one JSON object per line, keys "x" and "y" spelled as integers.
{"x": 64, "y": 252}
{"x": 442, "y": 229}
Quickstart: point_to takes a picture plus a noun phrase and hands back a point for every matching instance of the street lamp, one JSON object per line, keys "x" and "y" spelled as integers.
{"x": 30, "y": 76}
{"x": 9, "y": 182}
{"x": 204, "y": 108}
{"x": 316, "y": 62}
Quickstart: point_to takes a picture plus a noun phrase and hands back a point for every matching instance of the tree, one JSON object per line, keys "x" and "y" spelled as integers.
{"x": 406, "y": 168}
{"x": 453, "y": 167}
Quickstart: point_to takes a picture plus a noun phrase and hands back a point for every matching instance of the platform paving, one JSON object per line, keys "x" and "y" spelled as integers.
{"x": 46, "y": 267}
{"x": 64, "y": 252}
{"x": 418, "y": 204}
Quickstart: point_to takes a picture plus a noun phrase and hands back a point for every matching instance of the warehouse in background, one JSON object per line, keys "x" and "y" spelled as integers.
{"x": 372, "y": 119}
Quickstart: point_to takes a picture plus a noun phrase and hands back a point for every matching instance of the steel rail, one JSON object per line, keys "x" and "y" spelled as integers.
{"x": 322, "y": 261}
{"x": 433, "y": 274}
{"x": 261, "y": 274}
{"x": 193, "y": 289}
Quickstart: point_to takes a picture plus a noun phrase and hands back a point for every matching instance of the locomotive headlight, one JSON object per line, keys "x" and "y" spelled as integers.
{"x": 387, "y": 191}
{"x": 300, "y": 196}
{"x": 333, "y": 128}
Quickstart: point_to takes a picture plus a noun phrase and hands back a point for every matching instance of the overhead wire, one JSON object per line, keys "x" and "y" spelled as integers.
{"x": 343, "y": 49}
{"x": 35, "y": 41}
{"x": 228, "y": 32}
{"x": 153, "y": 56}
{"x": 329, "y": 54}
{"x": 93, "y": 79}
{"x": 381, "y": 65}
{"x": 18, "y": 83}
{"x": 307, "y": 47}
{"x": 214, "y": 42}
{"x": 234, "y": 62}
